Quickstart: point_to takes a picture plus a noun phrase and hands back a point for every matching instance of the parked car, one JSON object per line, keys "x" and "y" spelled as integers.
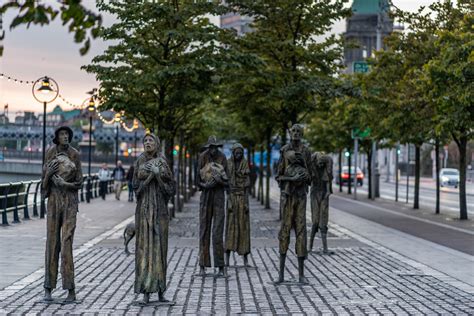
{"x": 345, "y": 176}
{"x": 449, "y": 177}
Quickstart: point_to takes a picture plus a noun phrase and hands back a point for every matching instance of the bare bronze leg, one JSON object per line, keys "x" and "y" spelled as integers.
{"x": 146, "y": 298}
{"x": 47, "y": 294}
{"x": 324, "y": 238}
{"x": 227, "y": 258}
{"x": 202, "y": 270}
{"x": 281, "y": 274}
{"x": 222, "y": 272}
{"x": 302, "y": 278}
{"x": 246, "y": 261}
{"x": 314, "y": 230}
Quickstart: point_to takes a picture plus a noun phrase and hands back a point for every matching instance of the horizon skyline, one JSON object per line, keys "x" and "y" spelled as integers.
{"x": 27, "y": 58}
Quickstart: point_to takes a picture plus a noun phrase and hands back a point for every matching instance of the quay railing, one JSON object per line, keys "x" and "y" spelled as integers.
{"x": 24, "y": 198}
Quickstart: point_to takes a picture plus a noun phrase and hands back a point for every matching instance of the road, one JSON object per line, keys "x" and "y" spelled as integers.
{"x": 449, "y": 196}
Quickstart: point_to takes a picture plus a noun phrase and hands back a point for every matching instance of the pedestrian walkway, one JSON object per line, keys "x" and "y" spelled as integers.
{"x": 361, "y": 277}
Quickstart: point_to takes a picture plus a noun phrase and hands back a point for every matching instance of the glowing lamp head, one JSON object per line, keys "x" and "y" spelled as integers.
{"x": 118, "y": 117}
{"x": 45, "y": 86}
{"x": 135, "y": 124}
{"x": 147, "y": 131}
{"x": 91, "y": 106}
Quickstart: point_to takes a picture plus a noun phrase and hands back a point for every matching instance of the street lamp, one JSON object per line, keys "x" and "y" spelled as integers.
{"x": 117, "y": 118}
{"x": 45, "y": 90}
{"x": 91, "y": 110}
{"x": 135, "y": 127}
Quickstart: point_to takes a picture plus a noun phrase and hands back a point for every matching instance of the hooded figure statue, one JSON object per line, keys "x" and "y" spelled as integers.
{"x": 237, "y": 236}
{"x": 154, "y": 186}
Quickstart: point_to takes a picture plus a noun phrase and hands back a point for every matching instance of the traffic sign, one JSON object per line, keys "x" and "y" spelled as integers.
{"x": 360, "y": 134}
{"x": 360, "y": 67}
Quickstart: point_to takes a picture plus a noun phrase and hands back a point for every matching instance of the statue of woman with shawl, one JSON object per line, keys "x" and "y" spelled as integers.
{"x": 154, "y": 186}
{"x": 237, "y": 219}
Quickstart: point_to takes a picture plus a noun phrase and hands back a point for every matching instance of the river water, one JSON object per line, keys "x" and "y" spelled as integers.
{"x": 8, "y": 177}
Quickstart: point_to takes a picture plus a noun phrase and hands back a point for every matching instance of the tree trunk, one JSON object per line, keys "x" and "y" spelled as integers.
{"x": 168, "y": 148}
{"x": 253, "y": 167}
{"x": 349, "y": 184}
{"x": 416, "y": 199}
{"x": 269, "y": 171}
{"x": 185, "y": 164}
{"x": 369, "y": 173}
{"x": 178, "y": 177}
{"x": 190, "y": 175}
{"x": 260, "y": 178}
{"x": 283, "y": 135}
{"x": 437, "y": 169}
{"x": 462, "y": 146}
{"x": 340, "y": 170}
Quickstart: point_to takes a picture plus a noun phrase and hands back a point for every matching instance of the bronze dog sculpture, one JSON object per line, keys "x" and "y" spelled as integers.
{"x": 128, "y": 235}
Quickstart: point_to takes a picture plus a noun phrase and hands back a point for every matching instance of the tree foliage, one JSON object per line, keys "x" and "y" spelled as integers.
{"x": 82, "y": 22}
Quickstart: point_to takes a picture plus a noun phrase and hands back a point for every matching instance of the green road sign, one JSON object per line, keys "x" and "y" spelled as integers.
{"x": 360, "y": 67}
{"x": 361, "y": 134}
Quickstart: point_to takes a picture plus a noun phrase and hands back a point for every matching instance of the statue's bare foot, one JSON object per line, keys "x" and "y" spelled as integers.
{"x": 71, "y": 296}
{"x": 202, "y": 270}
{"x": 222, "y": 272}
{"x": 47, "y": 295}
{"x": 146, "y": 298}
{"x": 303, "y": 280}
{"x": 161, "y": 298}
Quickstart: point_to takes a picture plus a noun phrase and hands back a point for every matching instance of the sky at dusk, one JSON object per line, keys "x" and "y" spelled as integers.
{"x": 50, "y": 50}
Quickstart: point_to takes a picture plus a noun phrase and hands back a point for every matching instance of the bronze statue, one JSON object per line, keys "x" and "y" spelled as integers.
{"x": 293, "y": 177}
{"x": 321, "y": 189}
{"x": 154, "y": 186}
{"x": 61, "y": 179}
{"x": 237, "y": 219}
{"x": 212, "y": 180}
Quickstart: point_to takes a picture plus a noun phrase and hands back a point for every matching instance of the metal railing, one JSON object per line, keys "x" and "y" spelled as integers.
{"x": 25, "y": 196}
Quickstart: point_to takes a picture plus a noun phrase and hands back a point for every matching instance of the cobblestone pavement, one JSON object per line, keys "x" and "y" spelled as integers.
{"x": 359, "y": 278}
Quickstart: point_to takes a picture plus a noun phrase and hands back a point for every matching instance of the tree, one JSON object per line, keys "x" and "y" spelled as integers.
{"x": 84, "y": 23}
{"x": 162, "y": 63}
{"x": 298, "y": 66}
{"x": 450, "y": 75}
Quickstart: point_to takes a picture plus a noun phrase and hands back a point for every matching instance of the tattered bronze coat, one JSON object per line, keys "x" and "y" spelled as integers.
{"x": 211, "y": 215}
{"x": 62, "y": 211}
{"x": 293, "y": 201}
{"x": 151, "y": 222}
{"x": 238, "y": 219}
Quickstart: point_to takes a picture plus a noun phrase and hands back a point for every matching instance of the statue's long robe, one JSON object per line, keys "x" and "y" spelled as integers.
{"x": 238, "y": 219}
{"x": 211, "y": 215}
{"x": 320, "y": 191}
{"x": 151, "y": 224}
{"x": 61, "y": 216}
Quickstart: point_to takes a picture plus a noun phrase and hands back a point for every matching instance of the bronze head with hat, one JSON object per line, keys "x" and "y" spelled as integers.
{"x": 212, "y": 145}
{"x": 63, "y": 138}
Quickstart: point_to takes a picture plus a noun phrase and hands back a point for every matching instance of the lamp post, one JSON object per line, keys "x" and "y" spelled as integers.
{"x": 118, "y": 118}
{"x": 135, "y": 127}
{"x": 90, "y": 109}
{"x": 45, "y": 90}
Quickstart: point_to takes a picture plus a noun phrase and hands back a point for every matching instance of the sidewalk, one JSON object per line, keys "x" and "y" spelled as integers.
{"x": 362, "y": 277}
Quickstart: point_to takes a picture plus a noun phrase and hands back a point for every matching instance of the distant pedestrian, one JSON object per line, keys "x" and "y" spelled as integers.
{"x": 119, "y": 176}
{"x": 130, "y": 183}
{"x": 104, "y": 177}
